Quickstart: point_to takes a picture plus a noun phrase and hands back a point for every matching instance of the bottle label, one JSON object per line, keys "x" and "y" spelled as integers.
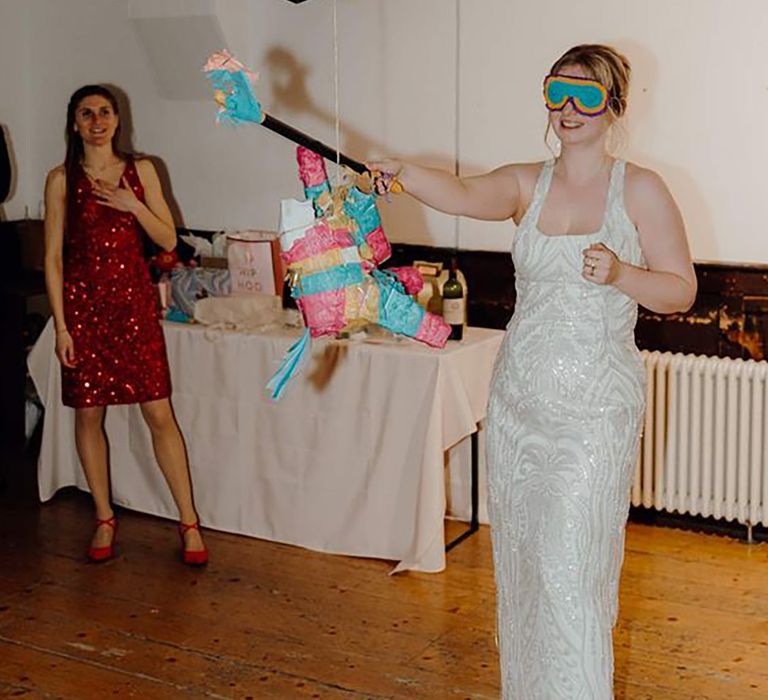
{"x": 453, "y": 311}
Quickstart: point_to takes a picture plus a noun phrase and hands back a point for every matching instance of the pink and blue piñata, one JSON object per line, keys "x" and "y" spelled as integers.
{"x": 333, "y": 253}
{"x": 332, "y": 244}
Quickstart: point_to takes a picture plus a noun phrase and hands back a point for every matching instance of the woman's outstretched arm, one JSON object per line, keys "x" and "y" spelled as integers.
{"x": 492, "y": 196}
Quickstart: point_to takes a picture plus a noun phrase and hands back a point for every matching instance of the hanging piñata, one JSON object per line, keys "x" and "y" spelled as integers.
{"x": 332, "y": 242}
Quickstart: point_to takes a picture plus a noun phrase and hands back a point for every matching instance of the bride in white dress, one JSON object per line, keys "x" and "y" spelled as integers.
{"x": 595, "y": 237}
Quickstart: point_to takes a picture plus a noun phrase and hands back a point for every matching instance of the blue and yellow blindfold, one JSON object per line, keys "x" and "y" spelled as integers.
{"x": 588, "y": 97}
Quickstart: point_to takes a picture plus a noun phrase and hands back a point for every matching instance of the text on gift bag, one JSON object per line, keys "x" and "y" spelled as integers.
{"x": 253, "y": 258}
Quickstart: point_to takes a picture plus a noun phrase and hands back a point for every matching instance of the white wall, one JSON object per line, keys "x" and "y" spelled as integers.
{"x": 225, "y": 177}
{"x": 15, "y": 105}
{"x": 698, "y": 97}
{"x": 697, "y": 100}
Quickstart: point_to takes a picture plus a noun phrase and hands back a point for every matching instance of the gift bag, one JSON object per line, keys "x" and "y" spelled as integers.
{"x": 253, "y": 258}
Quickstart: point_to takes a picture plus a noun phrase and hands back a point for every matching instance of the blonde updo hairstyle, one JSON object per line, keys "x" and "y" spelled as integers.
{"x": 604, "y": 64}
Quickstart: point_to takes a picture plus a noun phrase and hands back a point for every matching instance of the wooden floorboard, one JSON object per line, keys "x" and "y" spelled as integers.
{"x": 266, "y": 620}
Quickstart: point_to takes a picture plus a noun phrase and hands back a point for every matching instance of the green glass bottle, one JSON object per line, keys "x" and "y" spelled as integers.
{"x": 454, "y": 304}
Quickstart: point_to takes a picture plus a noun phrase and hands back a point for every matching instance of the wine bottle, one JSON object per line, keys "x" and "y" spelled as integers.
{"x": 288, "y": 301}
{"x": 453, "y": 304}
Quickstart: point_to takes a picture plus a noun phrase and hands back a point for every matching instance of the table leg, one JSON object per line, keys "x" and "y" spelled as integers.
{"x": 474, "y": 521}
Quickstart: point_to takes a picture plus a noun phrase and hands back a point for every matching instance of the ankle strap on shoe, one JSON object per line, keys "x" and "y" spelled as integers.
{"x": 184, "y": 528}
{"x": 112, "y": 522}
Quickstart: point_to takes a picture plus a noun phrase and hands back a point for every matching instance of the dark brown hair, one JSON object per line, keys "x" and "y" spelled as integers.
{"x": 73, "y": 139}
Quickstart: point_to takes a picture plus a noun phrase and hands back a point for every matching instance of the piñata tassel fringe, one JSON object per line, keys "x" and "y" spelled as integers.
{"x": 293, "y": 362}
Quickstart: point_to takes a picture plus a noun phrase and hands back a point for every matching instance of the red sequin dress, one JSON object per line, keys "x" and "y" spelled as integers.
{"x": 110, "y": 304}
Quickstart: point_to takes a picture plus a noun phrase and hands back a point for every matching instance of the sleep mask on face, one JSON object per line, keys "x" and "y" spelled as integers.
{"x": 588, "y": 97}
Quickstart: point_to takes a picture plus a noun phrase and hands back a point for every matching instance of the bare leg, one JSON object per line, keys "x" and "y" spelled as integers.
{"x": 91, "y": 444}
{"x": 172, "y": 457}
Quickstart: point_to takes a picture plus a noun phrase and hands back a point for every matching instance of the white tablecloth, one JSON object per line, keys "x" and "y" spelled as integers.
{"x": 351, "y": 460}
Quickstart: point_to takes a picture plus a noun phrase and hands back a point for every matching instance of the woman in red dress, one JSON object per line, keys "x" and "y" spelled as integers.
{"x": 98, "y": 206}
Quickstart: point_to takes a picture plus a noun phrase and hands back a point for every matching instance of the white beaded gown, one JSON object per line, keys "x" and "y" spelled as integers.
{"x": 563, "y": 429}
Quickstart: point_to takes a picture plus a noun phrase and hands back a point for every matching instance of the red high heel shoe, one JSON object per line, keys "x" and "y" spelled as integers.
{"x": 194, "y": 557}
{"x": 101, "y": 554}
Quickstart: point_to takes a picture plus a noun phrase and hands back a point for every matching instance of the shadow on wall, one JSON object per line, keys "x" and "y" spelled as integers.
{"x": 640, "y": 121}
{"x": 126, "y": 146}
{"x": 404, "y": 218}
{"x": 7, "y": 170}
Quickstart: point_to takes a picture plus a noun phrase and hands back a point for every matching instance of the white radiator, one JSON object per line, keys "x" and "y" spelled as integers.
{"x": 705, "y": 444}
